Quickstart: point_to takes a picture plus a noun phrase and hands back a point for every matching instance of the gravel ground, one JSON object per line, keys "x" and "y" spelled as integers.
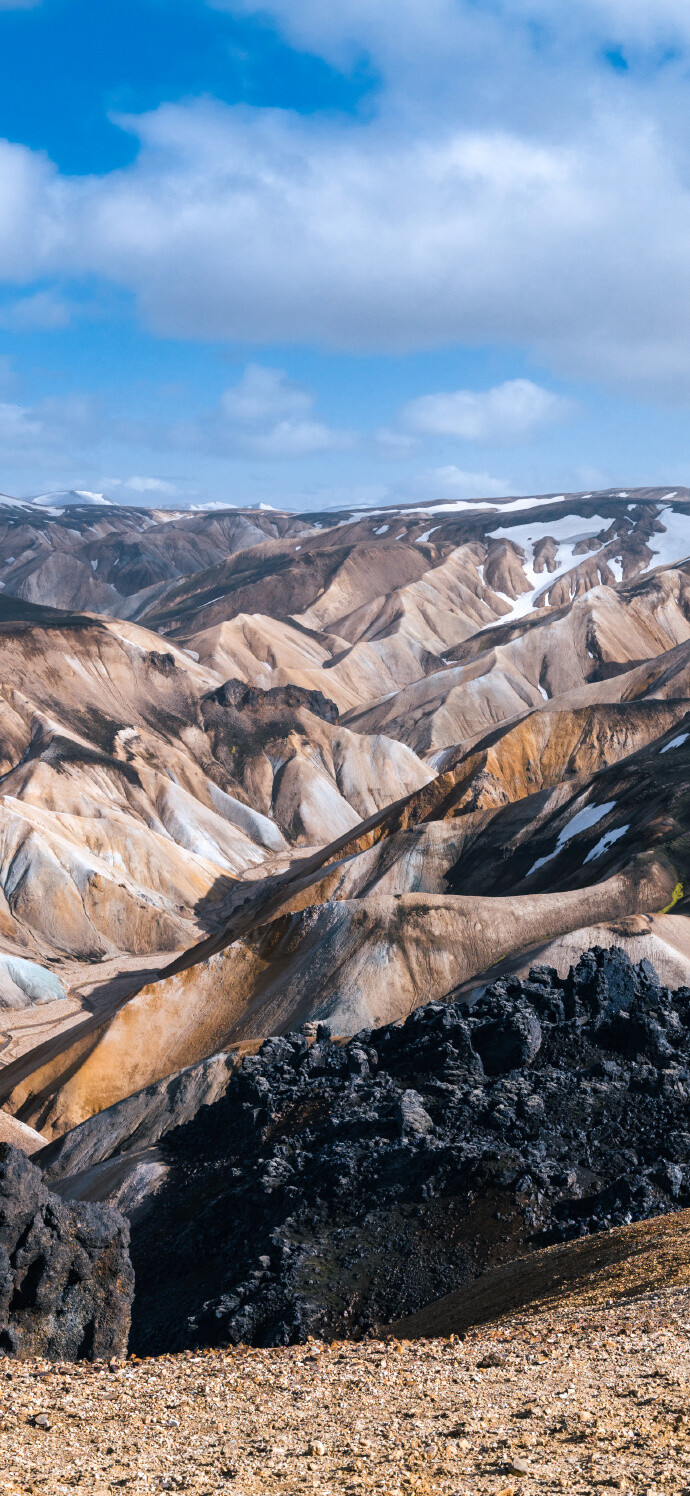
{"x": 575, "y": 1400}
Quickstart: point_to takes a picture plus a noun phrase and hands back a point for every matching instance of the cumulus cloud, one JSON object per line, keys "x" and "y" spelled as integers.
{"x": 266, "y": 414}
{"x": 451, "y": 482}
{"x": 149, "y": 485}
{"x": 42, "y": 309}
{"x": 265, "y": 397}
{"x": 509, "y": 412}
{"x": 517, "y": 209}
{"x": 261, "y": 227}
{"x": 418, "y": 27}
{"x": 637, "y": 19}
{"x": 37, "y": 215}
{"x": 258, "y": 226}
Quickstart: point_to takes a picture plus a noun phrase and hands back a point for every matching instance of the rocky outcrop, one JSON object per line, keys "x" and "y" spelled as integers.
{"x": 340, "y": 1185}
{"x": 66, "y": 1281}
{"x": 236, "y": 693}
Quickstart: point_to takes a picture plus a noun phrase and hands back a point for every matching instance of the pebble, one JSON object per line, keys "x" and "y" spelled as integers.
{"x": 368, "y": 1420}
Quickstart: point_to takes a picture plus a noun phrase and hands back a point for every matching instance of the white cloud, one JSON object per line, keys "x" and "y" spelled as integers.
{"x": 647, "y": 20}
{"x": 509, "y": 412}
{"x": 37, "y": 215}
{"x": 263, "y": 397}
{"x": 451, "y": 482}
{"x": 260, "y": 226}
{"x": 269, "y": 415}
{"x": 42, "y": 309}
{"x": 417, "y": 28}
{"x": 503, "y": 194}
{"x": 149, "y": 485}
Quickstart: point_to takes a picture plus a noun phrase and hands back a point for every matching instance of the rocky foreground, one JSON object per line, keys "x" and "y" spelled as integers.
{"x": 578, "y": 1399}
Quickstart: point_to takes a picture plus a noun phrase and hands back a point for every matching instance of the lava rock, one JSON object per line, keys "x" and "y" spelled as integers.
{"x": 336, "y": 1186}
{"x": 238, "y": 694}
{"x": 66, "y": 1281}
{"x": 414, "y": 1120}
{"x": 508, "y": 1042}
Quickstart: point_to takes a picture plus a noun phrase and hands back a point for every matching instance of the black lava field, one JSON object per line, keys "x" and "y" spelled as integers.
{"x": 338, "y": 1186}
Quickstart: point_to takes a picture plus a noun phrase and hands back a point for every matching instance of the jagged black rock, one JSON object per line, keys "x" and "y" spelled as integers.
{"x": 338, "y": 1185}
{"x": 66, "y": 1280}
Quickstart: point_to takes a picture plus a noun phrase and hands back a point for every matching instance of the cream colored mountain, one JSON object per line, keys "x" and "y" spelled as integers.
{"x": 343, "y": 764}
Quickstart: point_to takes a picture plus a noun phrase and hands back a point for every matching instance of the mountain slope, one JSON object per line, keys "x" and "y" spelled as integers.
{"x": 335, "y": 765}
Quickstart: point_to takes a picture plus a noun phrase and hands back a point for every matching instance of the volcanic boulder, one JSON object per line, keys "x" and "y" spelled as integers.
{"x": 66, "y": 1281}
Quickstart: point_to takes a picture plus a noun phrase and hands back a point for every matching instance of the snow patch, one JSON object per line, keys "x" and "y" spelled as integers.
{"x": 34, "y": 981}
{"x": 567, "y": 534}
{"x": 606, "y": 841}
{"x": 673, "y": 545}
{"x": 460, "y": 506}
{"x": 583, "y": 820}
{"x": 675, "y": 742}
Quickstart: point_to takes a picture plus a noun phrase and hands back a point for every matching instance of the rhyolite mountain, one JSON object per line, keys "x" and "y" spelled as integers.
{"x": 261, "y": 770}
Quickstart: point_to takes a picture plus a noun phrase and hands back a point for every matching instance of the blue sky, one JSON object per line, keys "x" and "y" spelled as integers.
{"x": 325, "y": 251}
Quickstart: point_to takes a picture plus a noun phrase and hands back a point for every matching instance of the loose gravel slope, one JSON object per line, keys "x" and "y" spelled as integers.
{"x": 579, "y": 1400}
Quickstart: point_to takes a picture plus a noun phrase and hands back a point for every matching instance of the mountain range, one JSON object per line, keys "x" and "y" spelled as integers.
{"x": 264, "y": 770}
